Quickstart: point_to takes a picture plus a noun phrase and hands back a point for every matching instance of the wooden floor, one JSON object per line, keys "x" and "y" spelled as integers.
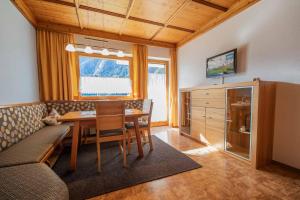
{"x": 221, "y": 177}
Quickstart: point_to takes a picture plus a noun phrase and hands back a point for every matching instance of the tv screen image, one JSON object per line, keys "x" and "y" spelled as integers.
{"x": 222, "y": 64}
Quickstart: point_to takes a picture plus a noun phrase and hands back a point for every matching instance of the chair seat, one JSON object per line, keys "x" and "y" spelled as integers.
{"x": 142, "y": 124}
{"x": 33, "y": 148}
{"x": 31, "y": 181}
{"x": 111, "y": 133}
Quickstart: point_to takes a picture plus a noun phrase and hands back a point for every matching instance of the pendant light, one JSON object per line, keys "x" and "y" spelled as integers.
{"x": 88, "y": 50}
{"x": 70, "y": 48}
{"x": 120, "y": 54}
{"x": 105, "y": 52}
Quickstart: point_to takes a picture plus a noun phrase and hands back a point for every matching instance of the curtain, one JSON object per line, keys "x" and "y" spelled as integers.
{"x": 173, "y": 89}
{"x": 58, "y": 78}
{"x": 140, "y": 71}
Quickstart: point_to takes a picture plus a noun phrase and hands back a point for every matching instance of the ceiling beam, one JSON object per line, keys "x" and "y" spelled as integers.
{"x": 129, "y": 9}
{"x": 77, "y": 13}
{"x": 105, "y": 12}
{"x": 211, "y": 5}
{"x": 103, "y": 34}
{"x": 233, "y": 10}
{"x": 26, "y": 12}
{"x": 173, "y": 15}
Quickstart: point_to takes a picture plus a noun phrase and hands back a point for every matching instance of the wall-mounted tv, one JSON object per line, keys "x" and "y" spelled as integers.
{"x": 223, "y": 64}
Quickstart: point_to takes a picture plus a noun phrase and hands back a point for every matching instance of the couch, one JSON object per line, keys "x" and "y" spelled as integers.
{"x": 26, "y": 144}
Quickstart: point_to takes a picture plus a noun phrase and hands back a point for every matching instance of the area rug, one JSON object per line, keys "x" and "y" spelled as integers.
{"x": 86, "y": 182}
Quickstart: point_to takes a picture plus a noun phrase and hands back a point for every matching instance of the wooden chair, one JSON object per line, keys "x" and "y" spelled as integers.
{"x": 144, "y": 125}
{"x": 110, "y": 126}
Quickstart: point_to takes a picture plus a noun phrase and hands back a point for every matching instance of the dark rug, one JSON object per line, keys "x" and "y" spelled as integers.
{"x": 86, "y": 182}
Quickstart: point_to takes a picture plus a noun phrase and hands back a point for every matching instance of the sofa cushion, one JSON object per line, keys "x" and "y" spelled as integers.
{"x": 33, "y": 148}
{"x": 31, "y": 181}
{"x": 20, "y": 121}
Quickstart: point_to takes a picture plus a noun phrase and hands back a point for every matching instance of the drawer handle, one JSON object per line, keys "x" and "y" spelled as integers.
{"x": 207, "y": 93}
{"x": 207, "y": 102}
{"x": 209, "y": 117}
{"x": 203, "y": 115}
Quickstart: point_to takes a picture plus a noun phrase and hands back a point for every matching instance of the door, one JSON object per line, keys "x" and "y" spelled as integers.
{"x": 215, "y": 127}
{"x": 158, "y": 91}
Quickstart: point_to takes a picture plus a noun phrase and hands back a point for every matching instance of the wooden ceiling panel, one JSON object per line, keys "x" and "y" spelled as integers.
{"x": 98, "y": 21}
{"x": 54, "y": 13}
{"x": 171, "y": 35}
{"x": 139, "y": 29}
{"x": 194, "y": 15}
{"x": 155, "y": 10}
{"x": 117, "y": 6}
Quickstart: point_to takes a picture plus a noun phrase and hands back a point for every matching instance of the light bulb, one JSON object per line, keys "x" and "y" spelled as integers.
{"x": 105, "y": 52}
{"x": 88, "y": 50}
{"x": 70, "y": 47}
{"x": 120, "y": 54}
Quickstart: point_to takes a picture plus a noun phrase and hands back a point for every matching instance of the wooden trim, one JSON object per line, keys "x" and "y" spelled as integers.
{"x": 128, "y": 12}
{"x": 77, "y": 13}
{"x": 181, "y": 29}
{"x": 166, "y": 63}
{"x": 233, "y": 10}
{"x": 20, "y": 104}
{"x": 211, "y": 5}
{"x": 26, "y": 12}
{"x": 111, "y": 57}
{"x": 103, "y": 34}
{"x": 105, "y": 12}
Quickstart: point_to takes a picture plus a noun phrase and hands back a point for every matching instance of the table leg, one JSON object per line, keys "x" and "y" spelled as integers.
{"x": 138, "y": 137}
{"x": 74, "y": 149}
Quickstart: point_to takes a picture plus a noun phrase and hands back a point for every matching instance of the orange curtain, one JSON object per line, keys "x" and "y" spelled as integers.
{"x": 140, "y": 71}
{"x": 173, "y": 89}
{"x": 58, "y": 78}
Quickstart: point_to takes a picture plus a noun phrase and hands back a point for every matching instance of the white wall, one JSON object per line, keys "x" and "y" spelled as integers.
{"x": 18, "y": 68}
{"x": 267, "y": 36}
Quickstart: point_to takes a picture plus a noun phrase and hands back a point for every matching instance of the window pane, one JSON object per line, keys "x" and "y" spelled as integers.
{"x": 104, "y": 77}
{"x": 157, "y": 91}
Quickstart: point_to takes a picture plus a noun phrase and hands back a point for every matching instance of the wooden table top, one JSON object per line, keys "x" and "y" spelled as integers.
{"x": 90, "y": 115}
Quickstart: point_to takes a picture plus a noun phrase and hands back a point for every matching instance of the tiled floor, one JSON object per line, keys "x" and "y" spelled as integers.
{"x": 221, "y": 177}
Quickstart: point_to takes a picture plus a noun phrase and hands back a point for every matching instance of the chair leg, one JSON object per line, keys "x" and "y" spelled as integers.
{"x": 129, "y": 141}
{"x": 150, "y": 139}
{"x": 144, "y": 137}
{"x": 98, "y": 156}
{"x": 121, "y": 149}
{"x": 124, "y": 153}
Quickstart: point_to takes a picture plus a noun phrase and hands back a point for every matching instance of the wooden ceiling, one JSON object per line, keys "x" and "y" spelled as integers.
{"x": 156, "y": 22}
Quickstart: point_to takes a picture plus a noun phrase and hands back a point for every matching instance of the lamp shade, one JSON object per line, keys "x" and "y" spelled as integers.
{"x": 105, "y": 52}
{"x": 70, "y": 47}
{"x": 88, "y": 50}
{"x": 120, "y": 54}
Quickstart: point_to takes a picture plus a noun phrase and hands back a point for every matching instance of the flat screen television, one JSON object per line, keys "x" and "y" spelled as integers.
{"x": 221, "y": 65}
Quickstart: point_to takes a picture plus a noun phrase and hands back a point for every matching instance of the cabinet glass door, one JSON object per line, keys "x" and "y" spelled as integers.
{"x": 238, "y": 121}
{"x": 185, "y": 124}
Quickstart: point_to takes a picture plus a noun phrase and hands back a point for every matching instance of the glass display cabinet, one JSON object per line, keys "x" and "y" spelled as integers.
{"x": 238, "y": 121}
{"x": 185, "y": 112}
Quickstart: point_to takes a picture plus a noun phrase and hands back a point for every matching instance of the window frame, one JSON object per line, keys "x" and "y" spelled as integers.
{"x": 166, "y": 63}
{"x": 110, "y": 57}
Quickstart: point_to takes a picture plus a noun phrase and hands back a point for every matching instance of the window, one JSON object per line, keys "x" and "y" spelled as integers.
{"x": 158, "y": 89}
{"x": 104, "y": 77}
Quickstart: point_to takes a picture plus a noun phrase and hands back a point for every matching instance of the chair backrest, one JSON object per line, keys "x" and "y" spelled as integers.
{"x": 110, "y": 115}
{"x": 147, "y": 107}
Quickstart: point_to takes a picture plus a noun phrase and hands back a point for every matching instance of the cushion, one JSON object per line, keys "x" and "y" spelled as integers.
{"x": 31, "y": 181}
{"x": 33, "y": 148}
{"x": 51, "y": 121}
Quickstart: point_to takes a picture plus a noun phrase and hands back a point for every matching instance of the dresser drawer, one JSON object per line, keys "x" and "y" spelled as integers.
{"x": 208, "y": 94}
{"x": 209, "y": 103}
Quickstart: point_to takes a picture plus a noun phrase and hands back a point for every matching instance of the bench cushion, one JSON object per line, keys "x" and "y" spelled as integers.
{"x": 33, "y": 148}
{"x": 31, "y": 181}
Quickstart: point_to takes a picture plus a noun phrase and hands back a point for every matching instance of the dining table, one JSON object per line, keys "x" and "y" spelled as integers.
{"x": 81, "y": 118}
